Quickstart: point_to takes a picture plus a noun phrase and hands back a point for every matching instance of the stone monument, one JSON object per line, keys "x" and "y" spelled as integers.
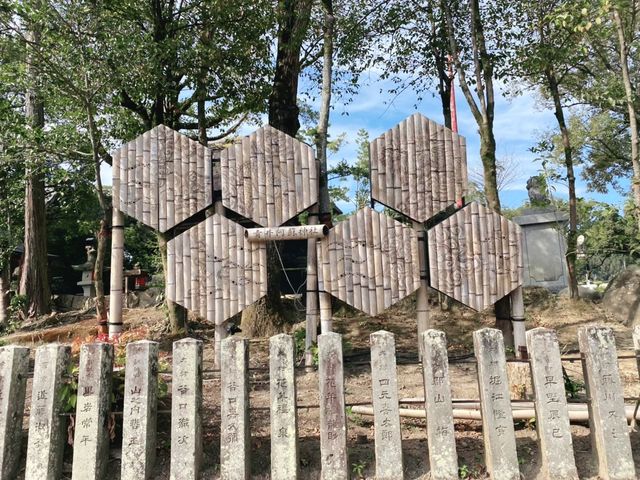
{"x": 88, "y": 289}
{"x": 544, "y": 246}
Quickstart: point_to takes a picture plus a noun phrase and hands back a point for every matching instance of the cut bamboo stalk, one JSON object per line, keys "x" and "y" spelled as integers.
{"x": 244, "y": 154}
{"x": 347, "y": 248}
{"x": 210, "y": 270}
{"x": 186, "y": 172}
{"x": 194, "y": 174}
{"x": 404, "y": 167}
{"x": 272, "y": 217}
{"x": 179, "y": 256}
{"x": 389, "y": 167}
{"x": 457, "y": 166}
{"x": 393, "y": 259}
{"x": 383, "y": 235}
{"x": 195, "y": 286}
{"x": 115, "y": 179}
{"x": 207, "y": 187}
{"x": 477, "y": 256}
{"x": 484, "y": 246}
{"x": 339, "y": 248}
{"x": 434, "y": 205}
{"x": 411, "y": 167}
{"x": 463, "y": 170}
{"x": 313, "y": 175}
{"x": 402, "y": 291}
{"x": 377, "y": 256}
{"x": 277, "y": 178}
{"x": 491, "y": 249}
{"x": 217, "y": 269}
{"x": 449, "y": 160}
{"x": 468, "y": 271}
{"x": 397, "y": 168}
{"x": 162, "y": 179}
{"x": 356, "y": 261}
{"x": 153, "y": 178}
{"x": 177, "y": 178}
{"x": 186, "y": 268}
{"x": 262, "y": 179}
{"x": 362, "y": 255}
{"x": 457, "y": 247}
{"x": 297, "y": 169}
{"x": 170, "y": 181}
{"x": 123, "y": 187}
{"x": 146, "y": 172}
{"x": 288, "y": 175}
{"x": 367, "y": 235}
{"x": 383, "y": 169}
{"x": 442, "y": 168}
{"x": 139, "y": 176}
{"x": 306, "y": 174}
{"x": 226, "y": 266}
{"x": 233, "y": 269}
{"x": 312, "y": 313}
{"x": 374, "y": 173}
{"x": 411, "y": 262}
{"x": 202, "y": 267}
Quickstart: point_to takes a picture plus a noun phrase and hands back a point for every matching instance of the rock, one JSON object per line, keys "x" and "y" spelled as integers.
{"x": 622, "y": 297}
{"x": 587, "y": 292}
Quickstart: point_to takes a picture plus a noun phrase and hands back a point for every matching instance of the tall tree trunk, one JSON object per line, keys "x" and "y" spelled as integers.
{"x": 105, "y": 221}
{"x": 482, "y": 83}
{"x": 4, "y": 293}
{"x": 283, "y": 100}
{"x": 572, "y": 236}
{"x": 633, "y": 122}
{"x": 34, "y": 279}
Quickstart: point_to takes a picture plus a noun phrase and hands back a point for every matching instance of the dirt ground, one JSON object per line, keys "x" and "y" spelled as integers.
{"x": 458, "y": 323}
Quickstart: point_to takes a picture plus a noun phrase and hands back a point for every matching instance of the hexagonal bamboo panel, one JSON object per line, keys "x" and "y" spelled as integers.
{"x": 214, "y": 270}
{"x": 162, "y": 177}
{"x": 475, "y": 256}
{"x": 268, "y": 177}
{"x": 418, "y": 168}
{"x": 370, "y": 261}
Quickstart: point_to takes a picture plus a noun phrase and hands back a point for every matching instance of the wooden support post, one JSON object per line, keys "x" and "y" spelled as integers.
{"x": 117, "y": 264}
{"x": 284, "y": 419}
{"x": 333, "y": 424}
{"x": 47, "y": 427}
{"x": 14, "y": 362}
{"x": 140, "y": 411}
{"x": 610, "y": 440}
{"x": 517, "y": 319}
{"x": 443, "y": 459}
{"x": 186, "y": 410}
{"x": 502, "y": 310}
{"x": 235, "y": 462}
{"x": 552, "y": 417}
{"x": 497, "y": 417}
{"x": 91, "y": 440}
{"x": 384, "y": 385}
{"x": 422, "y": 296}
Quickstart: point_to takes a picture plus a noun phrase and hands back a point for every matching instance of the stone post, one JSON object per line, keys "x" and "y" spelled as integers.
{"x": 47, "y": 433}
{"x": 140, "y": 411}
{"x": 607, "y": 420}
{"x": 333, "y": 426}
{"x": 497, "y": 417}
{"x": 443, "y": 458}
{"x": 234, "y": 410}
{"x": 552, "y": 417}
{"x": 14, "y": 366}
{"x": 186, "y": 406}
{"x": 384, "y": 385}
{"x": 284, "y": 418}
{"x": 91, "y": 439}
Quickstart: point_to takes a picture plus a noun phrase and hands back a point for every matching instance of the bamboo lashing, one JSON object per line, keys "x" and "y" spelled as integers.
{"x": 472, "y": 271}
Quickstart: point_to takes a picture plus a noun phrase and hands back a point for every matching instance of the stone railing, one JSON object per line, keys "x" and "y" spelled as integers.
{"x": 47, "y": 434}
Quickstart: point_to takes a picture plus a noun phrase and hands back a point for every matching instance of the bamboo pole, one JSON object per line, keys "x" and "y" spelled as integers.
{"x": 477, "y": 256}
{"x": 371, "y": 268}
{"x": 517, "y": 319}
{"x": 348, "y": 262}
{"x": 422, "y": 303}
{"x": 272, "y": 215}
{"x": 383, "y": 235}
{"x": 117, "y": 261}
{"x": 376, "y": 245}
{"x": 153, "y": 178}
{"x": 162, "y": 179}
{"x": 312, "y": 313}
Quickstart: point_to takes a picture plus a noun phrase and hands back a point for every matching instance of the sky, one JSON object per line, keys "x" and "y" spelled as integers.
{"x": 519, "y": 123}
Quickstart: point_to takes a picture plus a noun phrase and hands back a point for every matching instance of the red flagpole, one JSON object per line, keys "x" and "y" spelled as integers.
{"x": 452, "y": 99}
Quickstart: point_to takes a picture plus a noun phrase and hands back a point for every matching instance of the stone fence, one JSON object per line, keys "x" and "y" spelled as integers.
{"x": 46, "y": 436}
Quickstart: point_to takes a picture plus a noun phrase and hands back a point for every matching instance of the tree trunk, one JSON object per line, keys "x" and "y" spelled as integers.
{"x": 633, "y": 122}
{"x": 572, "y": 236}
{"x": 4, "y": 293}
{"x": 34, "y": 279}
{"x": 105, "y": 223}
{"x": 283, "y": 100}
{"x": 488, "y": 157}
{"x": 177, "y": 313}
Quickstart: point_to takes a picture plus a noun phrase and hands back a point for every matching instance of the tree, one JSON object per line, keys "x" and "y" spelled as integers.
{"x": 34, "y": 278}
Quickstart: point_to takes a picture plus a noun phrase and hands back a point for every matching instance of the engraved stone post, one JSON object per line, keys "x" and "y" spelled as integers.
{"x": 443, "y": 458}
{"x": 46, "y": 426}
{"x": 140, "y": 410}
{"x": 552, "y": 418}
{"x": 607, "y": 420}
{"x": 384, "y": 383}
{"x": 14, "y": 364}
{"x": 91, "y": 439}
{"x": 497, "y": 418}
{"x": 333, "y": 427}
{"x": 284, "y": 419}
{"x": 234, "y": 409}
{"x": 186, "y": 406}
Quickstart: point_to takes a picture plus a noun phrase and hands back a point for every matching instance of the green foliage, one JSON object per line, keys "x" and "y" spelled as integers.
{"x": 354, "y": 417}
{"x": 69, "y": 389}
{"x": 141, "y": 247}
{"x": 571, "y": 387}
{"x": 358, "y": 468}
{"x": 299, "y": 337}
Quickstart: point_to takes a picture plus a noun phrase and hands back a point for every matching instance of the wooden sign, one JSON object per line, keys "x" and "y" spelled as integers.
{"x": 369, "y": 261}
{"x": 418, "y": 168}
{"x": 162, "y": 178}
{"x": 213, "y": 269}
{"x": 268, "y": 177}
{"x": 475, "y": 256}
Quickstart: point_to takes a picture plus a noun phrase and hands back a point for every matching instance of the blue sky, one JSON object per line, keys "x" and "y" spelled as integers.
{"x": 519, "y": 123}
